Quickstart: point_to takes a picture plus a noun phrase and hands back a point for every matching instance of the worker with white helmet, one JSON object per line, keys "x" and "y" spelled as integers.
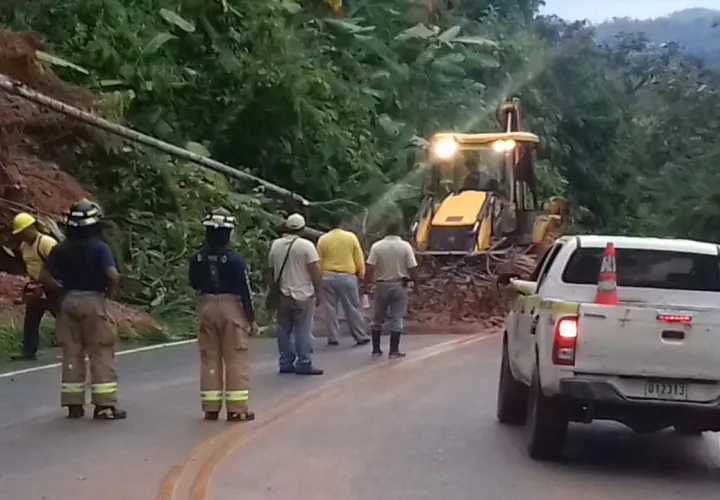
{"x": 34, "y": 248}
{"x": 225, "y": 321}
{"x": 294, "y": 262}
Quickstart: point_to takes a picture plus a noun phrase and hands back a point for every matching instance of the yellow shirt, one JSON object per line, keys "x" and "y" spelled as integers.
{"x": 34, "y": 255}
{"x": 340, "y": 252}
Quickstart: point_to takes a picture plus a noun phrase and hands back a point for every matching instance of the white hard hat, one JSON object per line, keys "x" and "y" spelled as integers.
{"x": 295, "y": 222}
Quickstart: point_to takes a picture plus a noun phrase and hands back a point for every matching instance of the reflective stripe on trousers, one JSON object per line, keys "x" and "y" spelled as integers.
{"x": 211, "y": 396}
{"x": 230, "y": 396}
{"x": 236, "y": 396}
{"x": 73, "y": 387}
{"x": 106, "y": 388}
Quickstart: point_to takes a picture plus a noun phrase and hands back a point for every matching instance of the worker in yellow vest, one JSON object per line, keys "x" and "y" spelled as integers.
{"x": 34, "y": 248}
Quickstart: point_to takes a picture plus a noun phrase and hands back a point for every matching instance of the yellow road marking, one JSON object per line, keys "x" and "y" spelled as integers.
{"x": 217, "y": 448}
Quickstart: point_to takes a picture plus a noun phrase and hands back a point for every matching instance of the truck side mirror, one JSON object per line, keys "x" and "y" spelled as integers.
{"x": 524, "y": 287}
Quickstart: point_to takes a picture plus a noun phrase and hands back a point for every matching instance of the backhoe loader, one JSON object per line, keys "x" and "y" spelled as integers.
{"x": 480, "y": 195}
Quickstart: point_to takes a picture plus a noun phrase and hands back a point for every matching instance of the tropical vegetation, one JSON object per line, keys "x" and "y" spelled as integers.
{"x": 336, "y": 109}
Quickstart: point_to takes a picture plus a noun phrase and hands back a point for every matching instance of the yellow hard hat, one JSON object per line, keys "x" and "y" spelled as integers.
{"x": 21, "y": 222}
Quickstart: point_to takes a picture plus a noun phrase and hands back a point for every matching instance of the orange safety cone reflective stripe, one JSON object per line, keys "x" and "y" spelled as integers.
{"x": 607, "y": 282}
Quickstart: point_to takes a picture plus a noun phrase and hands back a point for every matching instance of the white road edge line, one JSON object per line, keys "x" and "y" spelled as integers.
{"x": 119, "y": 353}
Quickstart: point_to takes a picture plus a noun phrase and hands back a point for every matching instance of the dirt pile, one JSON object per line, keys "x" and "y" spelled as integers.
{"x": 30, "y": 136}
{"x": 466, "y": 293}
{"x": 459, "y": 297}
{"x": 33, "y": 142}
{"x": 129, "y": 322}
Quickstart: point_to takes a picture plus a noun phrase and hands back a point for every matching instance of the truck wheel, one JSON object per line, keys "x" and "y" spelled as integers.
{"x": 547, "y": 424}
{"x": 512, "y": 395}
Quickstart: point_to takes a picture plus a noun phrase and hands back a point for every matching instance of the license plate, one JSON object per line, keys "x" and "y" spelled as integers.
{"x": 665, "y": 390}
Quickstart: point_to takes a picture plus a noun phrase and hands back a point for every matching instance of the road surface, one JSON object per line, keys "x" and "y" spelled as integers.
{"x": 421, "y": 428}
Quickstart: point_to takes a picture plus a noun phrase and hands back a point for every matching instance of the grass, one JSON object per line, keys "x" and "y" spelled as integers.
{"x": 177, "y": 327}
{"x": 11, "y": 333}
{"x": 11, "y": 336}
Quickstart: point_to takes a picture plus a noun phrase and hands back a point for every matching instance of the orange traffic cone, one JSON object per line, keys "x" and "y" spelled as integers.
{"x": 607, "y": 283}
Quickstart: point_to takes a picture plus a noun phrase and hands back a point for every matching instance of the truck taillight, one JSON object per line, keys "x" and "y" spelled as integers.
{"x": 565, "y": 341}
{"x": 674, "y": 318}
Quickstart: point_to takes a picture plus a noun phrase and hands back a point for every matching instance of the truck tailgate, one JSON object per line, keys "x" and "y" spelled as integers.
{"x": 630, "y": 340}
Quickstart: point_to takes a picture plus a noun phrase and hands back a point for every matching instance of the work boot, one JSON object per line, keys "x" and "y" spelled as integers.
{"x": 75, "y": 411}
{"x": 287, "y": 369}
{"x": 308, "y": 369}
{"x": 109, "y": 413}
{"x": 376, "y": 334}
{"x": 395, "y": 346}
{"x": 212, "y": 415}
{"x": 363, "y": 341}
{"x": 246, "y": 416}
{"x": 333, "y": 342}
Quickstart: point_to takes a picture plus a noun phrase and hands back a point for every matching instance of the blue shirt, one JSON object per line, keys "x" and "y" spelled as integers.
{"x": 221, "y": 271}
{"x": 81, "y": 266}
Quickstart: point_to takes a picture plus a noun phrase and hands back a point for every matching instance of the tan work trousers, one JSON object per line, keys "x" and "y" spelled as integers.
{"x": 223, "y": 338}
{"x": 84, "y": 328}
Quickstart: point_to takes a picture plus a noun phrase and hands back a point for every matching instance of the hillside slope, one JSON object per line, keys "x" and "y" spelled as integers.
{"x": 694, "y": 29}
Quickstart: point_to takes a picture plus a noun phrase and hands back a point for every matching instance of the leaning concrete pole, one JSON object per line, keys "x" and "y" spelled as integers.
{"x": 19, "y": 89}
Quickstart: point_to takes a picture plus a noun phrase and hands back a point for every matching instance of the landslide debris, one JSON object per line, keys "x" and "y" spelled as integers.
{"x": 33, "y": 142}
{"x": 466, "y": 293}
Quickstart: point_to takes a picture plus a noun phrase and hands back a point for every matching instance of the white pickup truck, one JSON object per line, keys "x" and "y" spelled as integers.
{"x": 651, "y": 362}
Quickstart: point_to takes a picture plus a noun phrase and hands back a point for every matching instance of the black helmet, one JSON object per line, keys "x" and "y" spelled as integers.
{"x": 219, "y": 219}
{"x": 84, "y": 213}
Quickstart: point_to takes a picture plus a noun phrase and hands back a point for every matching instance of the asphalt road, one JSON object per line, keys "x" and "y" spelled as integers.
{"x": 421, "y": 428}
{"x": 428, "y": 431}
{"x": 44, "y": 456}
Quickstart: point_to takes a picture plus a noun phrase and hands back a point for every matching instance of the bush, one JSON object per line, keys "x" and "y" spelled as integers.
{"x": 11, "y": 334}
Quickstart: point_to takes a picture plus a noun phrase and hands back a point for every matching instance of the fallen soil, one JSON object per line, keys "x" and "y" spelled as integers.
{"x": 466, "y": 293}
{"x": 33, "y": 143}
{"x": 130, "y": 324}
{"x": 458, "y": 297}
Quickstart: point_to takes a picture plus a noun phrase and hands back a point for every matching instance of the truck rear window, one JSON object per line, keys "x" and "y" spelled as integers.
{"x": 648, "y": 269}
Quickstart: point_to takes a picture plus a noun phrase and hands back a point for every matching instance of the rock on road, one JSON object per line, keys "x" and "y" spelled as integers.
{"x": 421, "y": 429}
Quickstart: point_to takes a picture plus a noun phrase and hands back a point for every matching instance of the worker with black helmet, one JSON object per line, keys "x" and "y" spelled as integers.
{"x": 84, "y": 268}
{"x": 226, "y": 320}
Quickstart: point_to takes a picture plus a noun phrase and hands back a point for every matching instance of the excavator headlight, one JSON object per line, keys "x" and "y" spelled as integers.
{"x": 503, "y": 146}
{"x": 444, "y": 149}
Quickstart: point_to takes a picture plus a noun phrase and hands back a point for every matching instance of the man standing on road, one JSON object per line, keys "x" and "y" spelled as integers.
{"x": 343, "y": 265}
{"x": 295, "y": 267}
{"x": 391, "y": 264}
{"x": 226, "y": 320}
{"x": 84, "y": 267}
{"x": 34, "y": 248}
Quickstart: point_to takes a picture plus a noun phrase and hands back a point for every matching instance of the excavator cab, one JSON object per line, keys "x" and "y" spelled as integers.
{"x": 480, "y": 195}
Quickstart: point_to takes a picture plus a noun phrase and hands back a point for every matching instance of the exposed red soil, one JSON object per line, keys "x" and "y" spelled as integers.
{"x": 32, "y": 139}
{"x": 129, "y": 322}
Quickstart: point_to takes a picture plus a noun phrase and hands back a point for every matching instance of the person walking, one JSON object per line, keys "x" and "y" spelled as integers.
{"x": 343, "y": 266}
{"x": 391, "y": 264}
{"x": 84, "y": 267}
{"x": 294, "y": 263}
{"x": 34, "y": 248}
{"x": 225, "y": 320}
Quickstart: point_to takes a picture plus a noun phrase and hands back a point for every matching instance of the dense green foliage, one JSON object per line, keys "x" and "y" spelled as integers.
{"x": 335, "y": 109}
{"x": 696, "y": 30}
